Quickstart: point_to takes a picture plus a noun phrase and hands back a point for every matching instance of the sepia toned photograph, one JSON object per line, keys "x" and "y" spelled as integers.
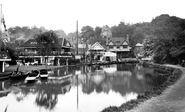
{"x": 92, "y": 56}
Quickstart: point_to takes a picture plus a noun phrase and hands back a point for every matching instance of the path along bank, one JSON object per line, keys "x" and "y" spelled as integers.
{"x": 169, "y": 97}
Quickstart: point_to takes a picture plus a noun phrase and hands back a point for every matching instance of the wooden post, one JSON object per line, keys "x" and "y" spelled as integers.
{"x": 3, "y": 66}
{"x": 77, "y": 37}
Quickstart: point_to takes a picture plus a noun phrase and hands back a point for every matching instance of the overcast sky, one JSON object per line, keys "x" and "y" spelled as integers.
{"x": 63, "y": 14}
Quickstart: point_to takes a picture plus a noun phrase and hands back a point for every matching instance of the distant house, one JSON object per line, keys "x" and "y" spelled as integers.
{"x": 119, "y": 45}
{"x": 29, "y": 51}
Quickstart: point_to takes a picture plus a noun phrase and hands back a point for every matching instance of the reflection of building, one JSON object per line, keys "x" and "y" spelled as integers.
{"x": 119, "y": 45}
{"x": 110, "y": 70}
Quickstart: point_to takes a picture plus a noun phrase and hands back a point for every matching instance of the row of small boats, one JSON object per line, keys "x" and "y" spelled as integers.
{"x": 28, "y": 76}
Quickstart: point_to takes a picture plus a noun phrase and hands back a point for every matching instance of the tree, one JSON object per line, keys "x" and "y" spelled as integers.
{"x": 87, "y": 33}
{"x": 166, "y": 39}
{"x": 98, "y": 31}
{"x": 71, "y": 37}
{"x": 106, "y": 31}
{"x": 48, "y": 42}
{"x": 60, "y": 33}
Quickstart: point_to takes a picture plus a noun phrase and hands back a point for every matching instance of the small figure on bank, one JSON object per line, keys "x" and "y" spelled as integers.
{"x": 183, "y": 63}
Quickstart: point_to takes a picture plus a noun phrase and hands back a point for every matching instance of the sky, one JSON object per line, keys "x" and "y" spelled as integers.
{"x": 63, "y": 14}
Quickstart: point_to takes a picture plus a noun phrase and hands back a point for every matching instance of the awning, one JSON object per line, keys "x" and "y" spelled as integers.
{"x": 110, "y": 54}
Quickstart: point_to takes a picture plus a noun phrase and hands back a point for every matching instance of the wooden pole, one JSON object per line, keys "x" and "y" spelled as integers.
{"x": 1, "y": 32}
{"x": 77, "y": 36}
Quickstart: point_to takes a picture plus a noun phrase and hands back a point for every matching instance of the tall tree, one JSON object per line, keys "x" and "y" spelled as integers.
{"x": 98, "y": 31}
{"x": 106, "y": 31}
{"x": 48, "y": 42}
{"x": 87, "y": 33}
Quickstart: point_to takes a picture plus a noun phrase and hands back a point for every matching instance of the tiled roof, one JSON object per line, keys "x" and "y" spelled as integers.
{"x": 96, "y": 46}
{"x": 30, "y": 43}
{"x": 117, "y": 40}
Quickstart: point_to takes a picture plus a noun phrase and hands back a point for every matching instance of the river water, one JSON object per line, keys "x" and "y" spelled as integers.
{"x": 79, "y": 89}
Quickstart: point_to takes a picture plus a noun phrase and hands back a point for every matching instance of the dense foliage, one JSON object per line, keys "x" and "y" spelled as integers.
{"x": 163, "y": 37}
{"x": 47, "y": 42}
{"x": 167, "y": 39}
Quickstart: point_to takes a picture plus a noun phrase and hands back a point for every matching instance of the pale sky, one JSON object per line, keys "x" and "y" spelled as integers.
{"x": 63, "y": 14}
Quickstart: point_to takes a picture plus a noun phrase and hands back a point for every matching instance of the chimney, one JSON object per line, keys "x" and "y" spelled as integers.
{"x": 127, "y": 38}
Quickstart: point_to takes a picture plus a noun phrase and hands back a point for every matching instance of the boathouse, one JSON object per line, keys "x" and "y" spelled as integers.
{"x": 29, "y": 52}
{"x": 97, "y": 50}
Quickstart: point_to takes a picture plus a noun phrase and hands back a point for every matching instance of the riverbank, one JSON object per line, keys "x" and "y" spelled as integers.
{"x": 24, "y": 68}
{"x": 166, "y": 98}
{"x": 29, "y": 68}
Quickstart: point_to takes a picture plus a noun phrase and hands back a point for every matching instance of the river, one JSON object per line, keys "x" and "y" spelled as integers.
{"x": 79, "y": 89}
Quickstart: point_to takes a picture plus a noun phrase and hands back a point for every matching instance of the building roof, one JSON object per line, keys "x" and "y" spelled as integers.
{"x": 32, "y": 43}
{"x": 97, "y": 46}
{"x": 64, "y": 43}
{"x": 118, "y": 41}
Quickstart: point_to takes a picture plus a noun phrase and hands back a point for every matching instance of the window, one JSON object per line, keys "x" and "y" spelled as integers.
{"x": 33, "y": 43}
{"x": 110, "y": 47}
{"x": 124, "y": 46}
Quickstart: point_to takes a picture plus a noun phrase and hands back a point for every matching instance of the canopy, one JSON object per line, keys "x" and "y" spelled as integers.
{"x": 139, "y": 45}
{"x": 110, "y": 54}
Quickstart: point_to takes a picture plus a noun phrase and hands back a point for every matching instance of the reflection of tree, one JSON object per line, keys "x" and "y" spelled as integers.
{"x": 46, "y": 99}
{"x": 154, "y": 80}
{"x": 123, "y": 67}
{"x": 25, "y": 90}
{"x": 87, "y": 85}
{"x": 48, "y": 92}
{"x": 98, "y": 88}
{"x": 120, "y": 81}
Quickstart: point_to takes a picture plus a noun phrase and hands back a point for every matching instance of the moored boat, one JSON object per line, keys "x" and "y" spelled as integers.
{"x": 18, "y": 75}
{"x": 32, "y": 76}
{"x": 5, "y": 75}
{"x": 44, "y": 74}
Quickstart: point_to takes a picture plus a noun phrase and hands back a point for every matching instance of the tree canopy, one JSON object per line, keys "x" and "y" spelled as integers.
{"x": 48, "y": 42}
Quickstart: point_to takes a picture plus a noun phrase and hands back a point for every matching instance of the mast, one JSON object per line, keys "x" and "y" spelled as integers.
{"x": 1, "y": 20}
{"x": 77, "y": 36}
{"x": 1, "y": 32}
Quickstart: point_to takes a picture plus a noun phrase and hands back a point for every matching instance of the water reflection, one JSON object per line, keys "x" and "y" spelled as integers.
{"x": 80, "y": 88}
